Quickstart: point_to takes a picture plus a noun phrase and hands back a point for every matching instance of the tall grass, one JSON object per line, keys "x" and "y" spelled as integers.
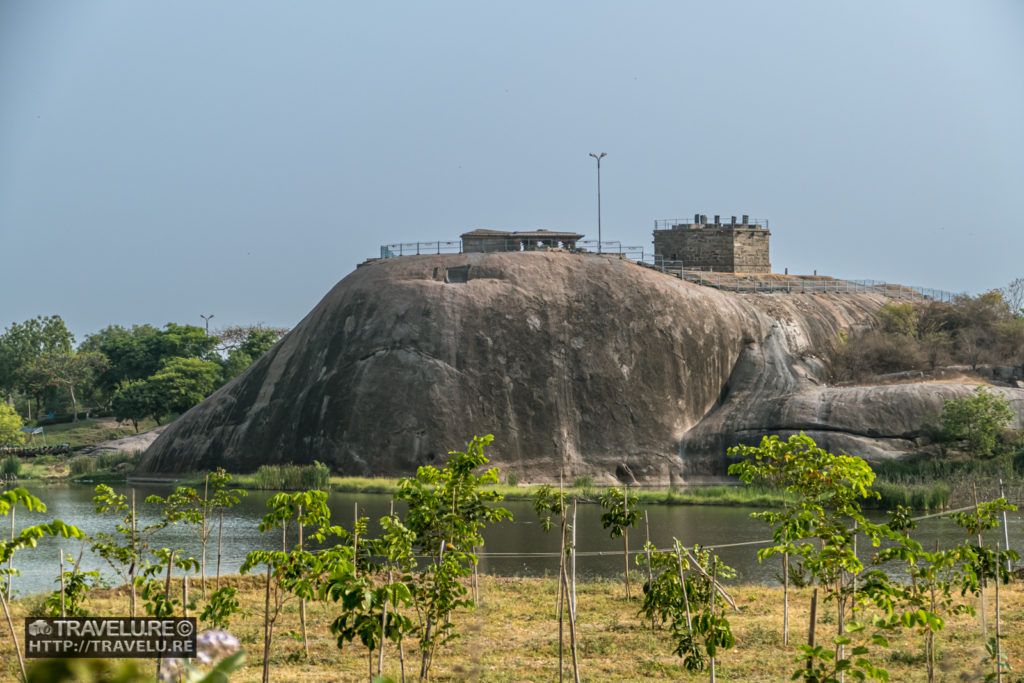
{"x": 291, "y": 477}
{"x": 934, "y": 496}
{"x": 82, "y": 464}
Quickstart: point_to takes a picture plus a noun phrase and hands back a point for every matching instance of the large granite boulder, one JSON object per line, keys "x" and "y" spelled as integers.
{"x": 579, "y": 364}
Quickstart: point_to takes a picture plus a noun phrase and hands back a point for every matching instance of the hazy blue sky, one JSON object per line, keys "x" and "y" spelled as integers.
{"x": 159, "y": 160}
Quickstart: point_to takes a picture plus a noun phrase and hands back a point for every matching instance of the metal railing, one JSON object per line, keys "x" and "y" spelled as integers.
{"x": 415, "y": 248}
{"x": 669, "y": 223}
{"x": 724, "y": 281}
{"x": 614, "y": 247}
{"x": 750, "y": 283}
{"x": 498, "y": 244}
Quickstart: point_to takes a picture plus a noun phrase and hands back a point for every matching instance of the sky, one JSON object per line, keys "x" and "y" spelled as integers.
{"x": 160, "y": 161}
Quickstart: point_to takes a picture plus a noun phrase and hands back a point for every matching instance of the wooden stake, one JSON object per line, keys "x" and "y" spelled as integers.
{"x": 721, "y": 591}
{"x": 63, "y": 612}
{"x": 981, "y": 586}
{"x": 202, "y": 571}
{"x": 10, "y": 560}
{"x": 625, "y": 536}
{"x": 135, "y": 558}
{"x": 302, "y": 601}
{"x": 167, "y": 583}
{"x": 14, "y": 636}
{"x": 266, "y": 630}
{"x": 572, "y": 559}
{"x": 711, "y": 606}
{"x": 572, "y": 630}
{"x": 428, "y": 650}
{"x": 1006, "y": 529}
{"x": 384, "y": 616}
{"x": 814, "y": 620}
{"x": 999, "y": 663}
{"x": 220, "y": 543}
{"x": 682, "y": 582}
{"x": 647, "y": 550}
{"x": 561, "y": 583}
{"x": 785, "y": 598}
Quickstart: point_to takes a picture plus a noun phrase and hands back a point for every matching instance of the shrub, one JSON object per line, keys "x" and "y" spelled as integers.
{"x": 81, "y": 464}
{"x": 11, "y": 465}
{"x": 110, "y": 460}
{"x": 978, "y": 420}
{"x": 868, "y": 354}
{"x": 512, "y": 479}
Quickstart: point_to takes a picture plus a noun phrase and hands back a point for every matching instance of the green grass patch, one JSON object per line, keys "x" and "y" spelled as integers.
{"x": 91, "y": 432}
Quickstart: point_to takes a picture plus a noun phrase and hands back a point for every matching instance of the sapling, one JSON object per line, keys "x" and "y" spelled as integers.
{"x": 546, "y": 503}
{"x": 447, "y": 510}
{"x": 291, "y": 572}
{"x": 26, "y": 538}
{"x": 685, "y": 593}
{"x": 620, "y": 514}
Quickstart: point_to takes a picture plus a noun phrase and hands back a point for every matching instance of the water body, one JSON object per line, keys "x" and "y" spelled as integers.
{"x": 511, "y": 548}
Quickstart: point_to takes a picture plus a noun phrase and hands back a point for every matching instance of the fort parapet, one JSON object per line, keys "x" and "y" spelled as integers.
{"x": 733, "y": 247}
{"x": 522, "y": 240}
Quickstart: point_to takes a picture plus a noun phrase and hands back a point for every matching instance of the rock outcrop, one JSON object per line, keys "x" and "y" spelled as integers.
{"x": 579, "y": 364}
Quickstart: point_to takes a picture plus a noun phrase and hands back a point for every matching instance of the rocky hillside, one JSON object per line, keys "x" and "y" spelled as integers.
{"x": 577, "y": 363}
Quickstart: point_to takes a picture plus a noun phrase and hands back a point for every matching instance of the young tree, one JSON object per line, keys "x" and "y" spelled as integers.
{"x": 977, "y": 420}
{"x": 27, "y": 538}
{"x": 10, "y": 426}
{"x": 620, "y": 514}
{"x": 447, "y": 510}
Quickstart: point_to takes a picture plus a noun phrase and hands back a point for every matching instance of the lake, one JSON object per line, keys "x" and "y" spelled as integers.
{"x": 517, "y": 548}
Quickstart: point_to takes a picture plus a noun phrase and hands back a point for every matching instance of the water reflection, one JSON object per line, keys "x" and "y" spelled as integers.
{"x": 506, "y": 544}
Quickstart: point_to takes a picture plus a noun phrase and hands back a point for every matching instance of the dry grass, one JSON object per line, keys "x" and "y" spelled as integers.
{"x": 513, "y": 636}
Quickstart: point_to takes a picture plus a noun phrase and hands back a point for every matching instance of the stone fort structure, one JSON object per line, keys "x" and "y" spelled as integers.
{"x": 733, "y": 247}
{"x": 523, "y": 240}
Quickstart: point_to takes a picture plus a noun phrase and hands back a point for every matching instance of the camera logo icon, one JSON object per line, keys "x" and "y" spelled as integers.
{"x": 39, "y": 628}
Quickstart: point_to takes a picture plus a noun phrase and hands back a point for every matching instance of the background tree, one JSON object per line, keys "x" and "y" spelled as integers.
{"x": 142, "y": 351}
{"x": 135, "y": 401}
{"x": 70, "y": 369}
{"x": 978, "y": 420}
{"x": 21, "y": 346}
{"x": 1013, "y": 295}
{"x": 182, "y": 383}
{"x": 243, "y": 345}
{"x": 10, "y": 427}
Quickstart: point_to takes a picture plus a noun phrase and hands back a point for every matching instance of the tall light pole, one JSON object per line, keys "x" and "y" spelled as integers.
{"x": 207, "y": 318}
{"x": 598, "y": 157}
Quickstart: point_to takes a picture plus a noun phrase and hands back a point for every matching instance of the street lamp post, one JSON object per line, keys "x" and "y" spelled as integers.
{"x": 207, "y": 318}
{"x": 598, "y": 157}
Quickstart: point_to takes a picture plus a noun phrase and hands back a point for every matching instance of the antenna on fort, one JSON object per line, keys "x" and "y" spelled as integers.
{"x": 598, "y": 157}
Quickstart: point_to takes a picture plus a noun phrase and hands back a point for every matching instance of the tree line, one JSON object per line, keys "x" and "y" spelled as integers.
{"x": 131, "y": 373}
{"x": 987, "y": 329}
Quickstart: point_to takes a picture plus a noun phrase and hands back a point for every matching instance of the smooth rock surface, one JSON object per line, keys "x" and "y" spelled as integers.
{"x": 579, "y": 364}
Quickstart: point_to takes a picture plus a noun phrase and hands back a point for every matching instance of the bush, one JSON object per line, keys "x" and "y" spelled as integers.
{"x": 110, "y": 460}
{"x": 11, "y": 465}
{"x": 512, "y": 479}
{"x": 867, "y": 354}
{"x": 81, "y": 464}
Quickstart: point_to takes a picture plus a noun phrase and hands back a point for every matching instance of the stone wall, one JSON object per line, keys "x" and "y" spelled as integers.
{"x": 739, "y": 248}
